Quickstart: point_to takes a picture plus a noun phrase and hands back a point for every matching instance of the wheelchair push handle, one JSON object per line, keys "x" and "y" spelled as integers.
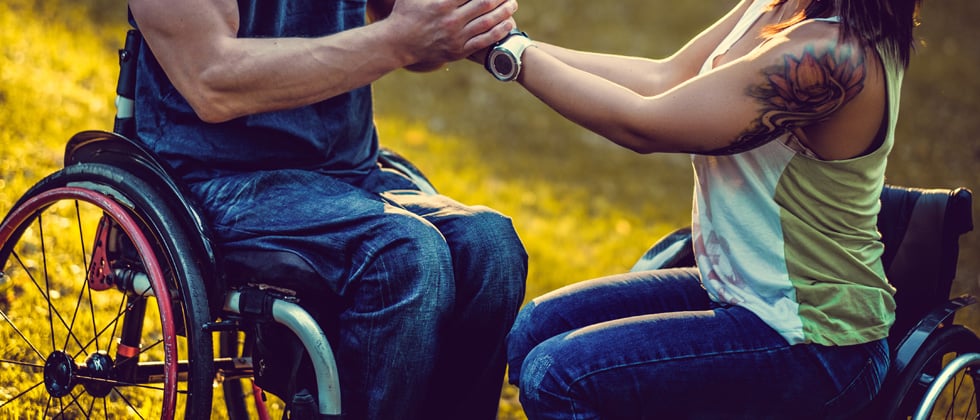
{"x": 126, "y": 84}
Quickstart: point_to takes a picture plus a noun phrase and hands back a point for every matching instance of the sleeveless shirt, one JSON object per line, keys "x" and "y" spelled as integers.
{"x": 336, "y": 136}
{"x": 793, "y": 238}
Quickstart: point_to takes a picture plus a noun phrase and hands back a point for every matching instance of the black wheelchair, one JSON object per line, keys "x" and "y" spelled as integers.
{"x": 934, "y": 361}
{"x": 116, "y": 302}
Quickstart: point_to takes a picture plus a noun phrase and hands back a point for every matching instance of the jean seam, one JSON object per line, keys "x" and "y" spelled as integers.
{"x": 568, "y": 389}
{"x": 853, "y": 383}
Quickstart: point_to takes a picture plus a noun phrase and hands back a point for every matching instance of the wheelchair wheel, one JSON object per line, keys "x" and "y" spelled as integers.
{"x": 958, "y": 398}
{"x": 955, "y": 388}
{"x": 101, "y": 307}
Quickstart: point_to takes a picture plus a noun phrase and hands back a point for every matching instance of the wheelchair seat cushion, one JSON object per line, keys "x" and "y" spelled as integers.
{"x": 281, "y": 269}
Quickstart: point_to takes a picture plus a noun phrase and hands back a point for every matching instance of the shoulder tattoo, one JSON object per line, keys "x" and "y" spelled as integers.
{"x": 801, "y": 90}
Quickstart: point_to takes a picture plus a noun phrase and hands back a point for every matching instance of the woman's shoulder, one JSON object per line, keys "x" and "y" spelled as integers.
{"x": 819, "y": 38}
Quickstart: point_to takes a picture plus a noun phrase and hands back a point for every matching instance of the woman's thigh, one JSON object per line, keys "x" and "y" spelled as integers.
{"x": 718, "y": 363}
{"x": 600, "y": 300}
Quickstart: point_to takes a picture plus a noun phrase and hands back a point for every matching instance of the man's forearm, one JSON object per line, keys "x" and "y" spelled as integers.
{"x": 223, "y": 76}
{"x": 252, "y": 75}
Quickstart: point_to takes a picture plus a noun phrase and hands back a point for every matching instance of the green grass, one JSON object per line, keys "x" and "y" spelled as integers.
{"x": 583, "y": 207}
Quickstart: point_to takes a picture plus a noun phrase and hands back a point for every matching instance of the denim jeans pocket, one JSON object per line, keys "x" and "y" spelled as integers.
{"x": 865, "y": 385}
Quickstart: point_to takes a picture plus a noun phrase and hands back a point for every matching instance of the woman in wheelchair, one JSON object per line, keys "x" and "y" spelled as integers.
{"x": 788, "y": 110}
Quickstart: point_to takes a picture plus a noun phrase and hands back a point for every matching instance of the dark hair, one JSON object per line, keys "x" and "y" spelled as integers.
{"x": 886, "y": 24}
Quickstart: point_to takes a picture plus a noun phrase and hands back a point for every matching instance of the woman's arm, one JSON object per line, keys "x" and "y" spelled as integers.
{"x": 793, "y": 81}
{"x": 649, "y": 76}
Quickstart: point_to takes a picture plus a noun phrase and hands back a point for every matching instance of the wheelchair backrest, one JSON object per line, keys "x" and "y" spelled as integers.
{"x": 920, "y": 229}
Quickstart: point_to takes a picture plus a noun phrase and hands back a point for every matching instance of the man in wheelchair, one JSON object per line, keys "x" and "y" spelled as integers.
{"x": 263, "y": 108}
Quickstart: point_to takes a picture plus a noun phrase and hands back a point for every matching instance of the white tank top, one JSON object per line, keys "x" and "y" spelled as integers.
{"x": 793, "y": 238}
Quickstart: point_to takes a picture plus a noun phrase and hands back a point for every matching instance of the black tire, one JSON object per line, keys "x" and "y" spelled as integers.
{"x": 945, "y": 344}
{"x": 48, "y": 237}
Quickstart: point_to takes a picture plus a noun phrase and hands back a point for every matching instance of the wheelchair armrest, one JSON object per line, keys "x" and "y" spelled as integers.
{"x": 674, "y": 250}
{"x": 914, "y": 339}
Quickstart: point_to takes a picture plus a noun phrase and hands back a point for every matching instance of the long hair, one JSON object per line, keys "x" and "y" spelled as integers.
{"x": 886, "y": 24}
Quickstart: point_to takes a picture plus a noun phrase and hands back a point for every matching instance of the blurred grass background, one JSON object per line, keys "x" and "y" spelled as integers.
{"x": 584, "y": 207}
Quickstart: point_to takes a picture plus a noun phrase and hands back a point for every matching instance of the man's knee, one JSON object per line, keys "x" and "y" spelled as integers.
{"x": 493, "y": 243}
{"x": 406, "y": 260}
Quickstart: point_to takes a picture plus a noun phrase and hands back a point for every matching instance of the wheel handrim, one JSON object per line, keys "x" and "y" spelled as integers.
{"x": 64, "y": 370}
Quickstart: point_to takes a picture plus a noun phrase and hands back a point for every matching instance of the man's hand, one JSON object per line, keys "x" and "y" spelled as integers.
{"x": 223, "y": 76}
{"x": 441, "y": 31}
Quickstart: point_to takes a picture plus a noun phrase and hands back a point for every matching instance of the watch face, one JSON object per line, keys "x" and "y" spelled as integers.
{"x": 503, "y": 65}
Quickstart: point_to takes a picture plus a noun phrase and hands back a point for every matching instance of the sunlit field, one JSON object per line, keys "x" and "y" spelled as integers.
{"x": 583, "y": 207}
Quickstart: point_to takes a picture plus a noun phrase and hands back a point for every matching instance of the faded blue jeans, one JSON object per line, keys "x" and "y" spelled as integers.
{"x": 425, "y": 288}
{"x": 651, "y": 345}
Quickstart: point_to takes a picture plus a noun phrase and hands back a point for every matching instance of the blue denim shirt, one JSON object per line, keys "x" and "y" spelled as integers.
{"x": 336, "y": 136}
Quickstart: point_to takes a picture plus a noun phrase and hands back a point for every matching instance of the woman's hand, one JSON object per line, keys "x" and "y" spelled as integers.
{"x": 440, "y": 31}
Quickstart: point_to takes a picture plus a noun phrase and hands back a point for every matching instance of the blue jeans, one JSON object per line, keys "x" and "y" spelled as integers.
{"x": 427, "y": 288}
{"x": 652, "y": 345}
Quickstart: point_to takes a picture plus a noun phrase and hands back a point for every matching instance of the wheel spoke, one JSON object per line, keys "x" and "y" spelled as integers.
{"x": 128, "y": 403}
{"x": 21, "y": 394}
{"x": 47, "y": 298}
{"x": 122, "y": 384}
{"x": 87, "y": 286}
{"x": 47, "y": 280}
{"x": 114, "y": 322}
{"x": 21, "y": 334}
{"x": 955, "y": 391}
{"x": 73, "y": 401}
{"x": 47, "y": 405}
{"x": 973, "y": 404}
{"x": 19, "y": 363}
{"x": 91, "y": 406}
{"x": 81, "y": 292}
{"x": 142, "y": 350}
{"x": 74, "y": 316}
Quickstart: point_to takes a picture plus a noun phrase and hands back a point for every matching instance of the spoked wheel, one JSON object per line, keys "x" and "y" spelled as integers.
{"x": 100, "y": 310}
{"x": 955, "y": 396}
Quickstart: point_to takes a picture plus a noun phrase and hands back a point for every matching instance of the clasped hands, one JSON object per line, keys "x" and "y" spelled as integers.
{"x": 442, "y": 31}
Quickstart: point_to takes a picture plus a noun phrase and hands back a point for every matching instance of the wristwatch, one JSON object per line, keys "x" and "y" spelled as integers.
{"x": 504, "y": 59}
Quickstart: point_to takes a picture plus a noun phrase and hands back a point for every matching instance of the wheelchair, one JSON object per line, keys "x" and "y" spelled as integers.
{"x": 934, "y": 361}
{"x": 116, "y": 301}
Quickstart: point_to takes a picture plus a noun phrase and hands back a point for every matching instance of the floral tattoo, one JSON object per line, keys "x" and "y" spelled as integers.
{"x": 802, "y": 89}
